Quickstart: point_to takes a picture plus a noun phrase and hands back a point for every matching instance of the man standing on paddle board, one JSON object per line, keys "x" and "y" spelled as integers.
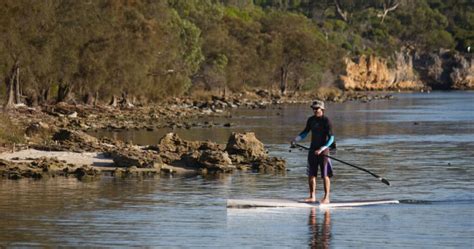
{"x": 321, "y": 139}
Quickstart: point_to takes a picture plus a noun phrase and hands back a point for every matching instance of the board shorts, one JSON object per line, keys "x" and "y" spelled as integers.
{"x": 321, "y": 162}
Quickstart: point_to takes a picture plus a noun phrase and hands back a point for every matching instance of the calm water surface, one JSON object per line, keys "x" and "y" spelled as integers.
{"x": 422, "y": 143}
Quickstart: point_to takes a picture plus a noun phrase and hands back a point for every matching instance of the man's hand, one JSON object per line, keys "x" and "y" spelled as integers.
{"x": 293, "y": 144}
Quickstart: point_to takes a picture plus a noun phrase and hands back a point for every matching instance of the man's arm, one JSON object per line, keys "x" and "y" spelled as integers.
{"x": 302, "y": 134}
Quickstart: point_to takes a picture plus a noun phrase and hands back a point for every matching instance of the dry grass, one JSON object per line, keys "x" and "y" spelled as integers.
{"x": 10, "y": 133}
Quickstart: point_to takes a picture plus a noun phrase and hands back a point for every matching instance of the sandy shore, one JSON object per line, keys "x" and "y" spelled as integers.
{"x": 85, "y": 158}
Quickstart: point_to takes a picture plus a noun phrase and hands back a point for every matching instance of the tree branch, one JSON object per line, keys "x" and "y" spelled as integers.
{"x": 341, "y": 12}
{"x": 391, "y": 6}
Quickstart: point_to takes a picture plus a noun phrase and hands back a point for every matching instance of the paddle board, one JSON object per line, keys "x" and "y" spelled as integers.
{"x": 253, "y": 203}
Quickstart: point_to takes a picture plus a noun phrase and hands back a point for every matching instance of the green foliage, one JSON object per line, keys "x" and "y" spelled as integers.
{"x": 157, "y": 49}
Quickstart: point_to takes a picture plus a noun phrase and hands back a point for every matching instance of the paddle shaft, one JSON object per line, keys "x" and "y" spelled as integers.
{"x": 352, "y": 165}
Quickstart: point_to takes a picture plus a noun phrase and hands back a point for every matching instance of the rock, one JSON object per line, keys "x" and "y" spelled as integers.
{"x": 171, "y": 142}
{"x": 118, "y": 172}
{"x": 76, "y": 140}
{"x": 72, "y": 115}
{"x": 216, "y": 161}
{"x": 37, "y": 128}
{"x": 129, "y": 157}
{"x": 172, "y": 148}
{"x": 246, "y": 145}
{"x": 86, "y": 171}
{"x": 269, "y": 164}
{"x": 191, "y": 159}
{"x": 263, "y": 93}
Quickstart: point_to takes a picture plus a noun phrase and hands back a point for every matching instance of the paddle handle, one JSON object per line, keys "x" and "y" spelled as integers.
{"x": 350, "y": 164}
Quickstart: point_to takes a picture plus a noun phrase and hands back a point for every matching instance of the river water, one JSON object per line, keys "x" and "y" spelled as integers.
{"x": 422, "y": 143}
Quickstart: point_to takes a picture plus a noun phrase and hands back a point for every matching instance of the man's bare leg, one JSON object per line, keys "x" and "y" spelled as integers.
{"x": 327, "y": 189}
{"x": 312, "y": 189}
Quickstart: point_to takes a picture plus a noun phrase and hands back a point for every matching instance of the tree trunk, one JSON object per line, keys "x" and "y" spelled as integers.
{"x": 89, "y": 99}
{"x": 114, "y": 101}
{"x": 17, "y": 87}
{"x": 10, "y": 93}
{"x": 283, "y": 80}
{"x": 96, "y": 98}
{"x": 32, "y": 98}
{"x": 125, "y": 102}
{"x": 12, "y": 84}
{"x": 64, "y": 93}
{"x": 44, "y": 95}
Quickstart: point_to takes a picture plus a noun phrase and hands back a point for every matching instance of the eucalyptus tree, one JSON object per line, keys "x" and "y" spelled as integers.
{"x": 300, "y": 49}
{"x": 24, "y": 46}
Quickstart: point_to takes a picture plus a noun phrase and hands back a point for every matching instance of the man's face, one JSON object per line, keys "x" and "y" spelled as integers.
{"x": 318, "y": 112}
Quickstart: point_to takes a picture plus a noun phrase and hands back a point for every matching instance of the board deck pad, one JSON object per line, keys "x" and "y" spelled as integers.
{"x": 254, "y": 203}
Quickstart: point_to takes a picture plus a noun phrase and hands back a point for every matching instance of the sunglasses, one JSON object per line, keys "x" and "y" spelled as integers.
{"x": 316, "y": 108}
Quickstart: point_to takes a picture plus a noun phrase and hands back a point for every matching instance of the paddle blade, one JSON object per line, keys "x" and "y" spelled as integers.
{"x": 385, "y": 181}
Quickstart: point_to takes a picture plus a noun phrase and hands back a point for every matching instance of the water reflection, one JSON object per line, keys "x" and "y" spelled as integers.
{"x": 320, "y": 233}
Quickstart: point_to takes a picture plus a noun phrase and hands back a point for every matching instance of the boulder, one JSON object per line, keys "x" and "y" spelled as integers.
{"x": 129, "y": 157}
{"x": 37, "y": 128}
{"x": 171, "y": 142}
{"x": 76, "y": 141}
{"x": 245, "y": 145}
{"x": 216, "y": 161}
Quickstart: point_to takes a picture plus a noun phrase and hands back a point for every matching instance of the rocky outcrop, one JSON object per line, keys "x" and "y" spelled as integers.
{"x": 172, "y": 154}
{"x": 410, "y": 70}
{"x": 70, "y": 140}
{"x": 446, "y": 70}
{"x": 246, "y": 150}
{"x": 373, "y": 73}
{"x": 130, "y": 156}
{"x": 462, "y": 75}
{"x": 245, "y": 146}
{"x": 45, "y": 167}
{"x": 242, "y": 151}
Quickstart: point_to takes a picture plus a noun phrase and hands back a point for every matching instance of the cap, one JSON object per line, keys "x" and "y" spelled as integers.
{"x": 317, "y": 104}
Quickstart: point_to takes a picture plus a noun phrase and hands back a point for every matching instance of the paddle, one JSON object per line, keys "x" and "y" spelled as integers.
{"x": 352, "y": 165}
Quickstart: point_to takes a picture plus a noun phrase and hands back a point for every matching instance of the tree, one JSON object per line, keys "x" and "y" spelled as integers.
{"x": 420, "y": 22}
{"x": 301, "y": 47}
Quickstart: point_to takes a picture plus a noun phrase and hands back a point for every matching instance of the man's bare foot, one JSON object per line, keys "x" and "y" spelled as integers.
{"x": 324, "y": 201}
{"x": 310, "y": 199}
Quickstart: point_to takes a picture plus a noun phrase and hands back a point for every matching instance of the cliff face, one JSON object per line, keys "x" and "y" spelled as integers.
{"x": 411, "y": 71}
{"x": 373, "y": 73}
{"x": 463, "y": 75}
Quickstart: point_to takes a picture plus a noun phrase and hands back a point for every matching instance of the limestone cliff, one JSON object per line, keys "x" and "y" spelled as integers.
{"x": 373, "y": 73}
{"x": 410, "y": 71}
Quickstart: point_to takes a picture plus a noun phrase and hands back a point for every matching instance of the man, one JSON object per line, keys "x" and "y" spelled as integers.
{"x": 321, "y": 139}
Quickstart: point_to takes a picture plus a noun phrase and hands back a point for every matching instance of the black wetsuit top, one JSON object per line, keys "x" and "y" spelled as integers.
{"x": 321, "y": 131}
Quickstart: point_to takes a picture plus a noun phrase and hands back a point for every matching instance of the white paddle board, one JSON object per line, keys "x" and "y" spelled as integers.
{"x": 253, "y": 203}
